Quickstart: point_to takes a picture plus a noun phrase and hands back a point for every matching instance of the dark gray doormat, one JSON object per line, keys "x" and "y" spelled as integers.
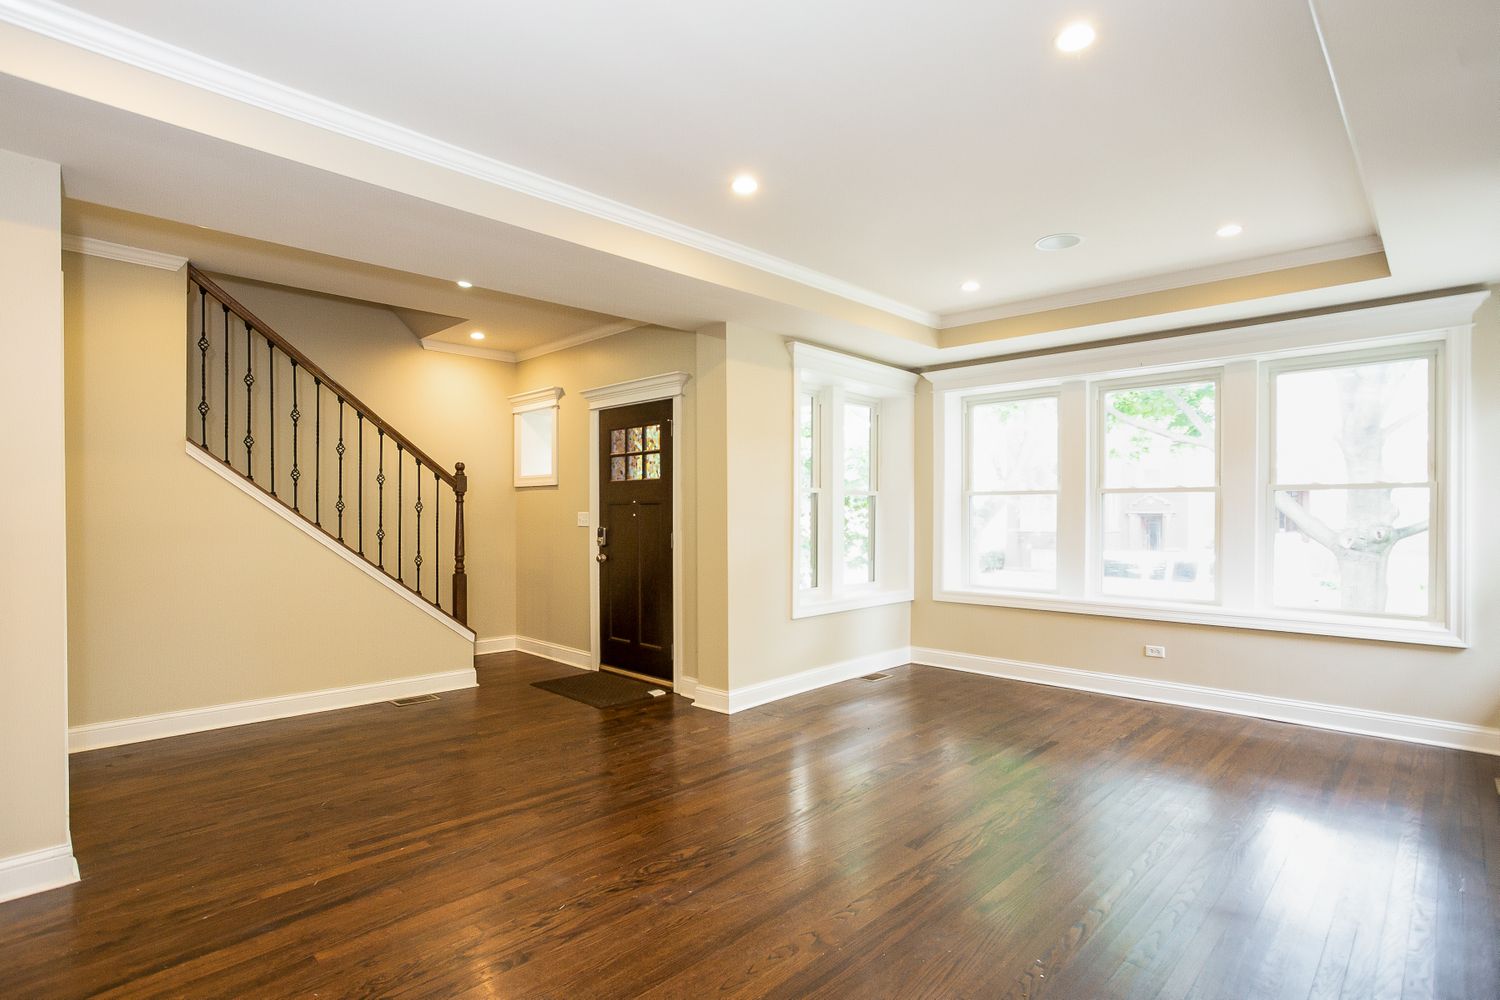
{"x": 600, "y": 689}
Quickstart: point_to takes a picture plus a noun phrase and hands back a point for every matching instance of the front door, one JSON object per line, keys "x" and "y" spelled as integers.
{"x": 634, "y": 539}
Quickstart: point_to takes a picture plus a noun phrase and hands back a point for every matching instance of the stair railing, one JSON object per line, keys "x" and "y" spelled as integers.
{"x": 240, "y": 364}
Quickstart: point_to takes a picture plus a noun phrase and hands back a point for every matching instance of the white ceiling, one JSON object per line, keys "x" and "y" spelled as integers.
{"x": 580, "y": 153}
{"x": 903, "y": 148}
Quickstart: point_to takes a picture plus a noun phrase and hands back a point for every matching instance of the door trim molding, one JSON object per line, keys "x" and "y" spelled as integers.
{"x": 668, "y": 385}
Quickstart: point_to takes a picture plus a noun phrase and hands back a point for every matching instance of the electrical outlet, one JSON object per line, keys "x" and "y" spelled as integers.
{"x": 1160, "y": 652}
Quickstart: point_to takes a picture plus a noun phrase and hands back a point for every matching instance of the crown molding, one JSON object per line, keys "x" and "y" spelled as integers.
{"x": 105, "y": 38}
{"x": 1229, "y": 270}
{"x": 585, "y": 337}
{"x": 118, "y": 251}
{"x": 488, "y": 353}
{"x": 536, "y": 399}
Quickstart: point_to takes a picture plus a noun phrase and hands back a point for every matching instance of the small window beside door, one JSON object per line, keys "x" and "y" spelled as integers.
{"x": 536, "y": 436}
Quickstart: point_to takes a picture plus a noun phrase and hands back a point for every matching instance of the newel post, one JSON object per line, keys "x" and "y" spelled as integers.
{"x": 460, "y": 578}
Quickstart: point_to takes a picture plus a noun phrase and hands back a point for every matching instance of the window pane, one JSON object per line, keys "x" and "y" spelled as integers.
{"x": 653, "y": 465}
{"x": 653, "y": 437}
{"x": 859, "y": 428}
{"x": 859, "y": 539}
{"x": 1013, "y": 445}
{"x": 1353, "y": 550}
{"x": 636, "y": 439}
{"x": 805, "y": 442}
{"x": 1013, "y": 542}
{"x": 1160, "y": 435}
{"x": 1159, "y": 545}
{"x": 807, "y": 542}
{"x": 1365, "y": 423}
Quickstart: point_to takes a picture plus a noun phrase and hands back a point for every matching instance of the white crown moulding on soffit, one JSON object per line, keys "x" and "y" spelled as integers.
{"x": 105, "y": 38}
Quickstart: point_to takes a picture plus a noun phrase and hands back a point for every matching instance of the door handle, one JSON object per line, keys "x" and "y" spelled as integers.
{"x": 601, "y": 557}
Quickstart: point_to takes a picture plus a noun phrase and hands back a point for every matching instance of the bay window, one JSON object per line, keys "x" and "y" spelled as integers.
{"x": 853, "y": 497}
{"x": 1303, "y": 475}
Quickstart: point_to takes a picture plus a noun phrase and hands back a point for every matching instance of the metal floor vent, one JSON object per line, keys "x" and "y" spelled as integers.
{"x": 415, "y": 699}
{"x": 874, "y": 677}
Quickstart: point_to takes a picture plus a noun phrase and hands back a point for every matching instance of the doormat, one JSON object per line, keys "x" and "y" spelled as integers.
{"x": 600, "y": 689}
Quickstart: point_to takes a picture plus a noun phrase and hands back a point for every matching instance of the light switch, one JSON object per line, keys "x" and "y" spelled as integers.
{"x": 583, "y": 519}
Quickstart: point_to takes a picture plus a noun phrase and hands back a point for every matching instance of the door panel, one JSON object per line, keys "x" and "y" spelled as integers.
{"x": 635, "y": 516}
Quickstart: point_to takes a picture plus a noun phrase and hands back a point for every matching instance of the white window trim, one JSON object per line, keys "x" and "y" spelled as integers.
{"x": 531, "y": 402}
{"x": 831, "y": 378}
{"x": 1446, "y": 319}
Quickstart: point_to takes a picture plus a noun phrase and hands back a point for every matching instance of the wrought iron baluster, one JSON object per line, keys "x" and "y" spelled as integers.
{"x": 340, "y": 449}
{"x": 437, "y": 540}
{"x": 380, "y": 498}
{"x": 361, "y": 484}
{"x": 296, "y": 419}
{"x": 227, "y": 342}
{"x": 202, "y": 367}
{"x": 271, "y": 374}
{"x": 249, "y": 396}
{"x": 418, "y": 562}
{"x": 318, "y": 451}
{"x": 400, "y": 515}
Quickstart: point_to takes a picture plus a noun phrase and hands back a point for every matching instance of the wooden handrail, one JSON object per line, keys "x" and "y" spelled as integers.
{"x": 316, "y": 370}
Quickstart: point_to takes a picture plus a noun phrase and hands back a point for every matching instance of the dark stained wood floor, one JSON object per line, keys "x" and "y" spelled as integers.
{"x": 935, "y": 834}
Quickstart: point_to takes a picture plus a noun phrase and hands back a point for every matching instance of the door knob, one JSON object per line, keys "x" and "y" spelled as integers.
{"x": 601, "y": 557}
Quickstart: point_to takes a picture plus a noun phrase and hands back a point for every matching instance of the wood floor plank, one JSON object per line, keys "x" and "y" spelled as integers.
{"x": 933, "y": 834}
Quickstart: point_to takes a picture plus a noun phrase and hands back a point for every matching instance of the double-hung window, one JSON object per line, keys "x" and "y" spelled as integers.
{"x": 1010, "y": 491}
{"x": 1158, "y": 495}
{"x": 853, "y": 482}
{"x": 1302, "y": 475}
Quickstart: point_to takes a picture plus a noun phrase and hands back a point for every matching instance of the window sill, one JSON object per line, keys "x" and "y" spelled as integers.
{"x": 812, "y": 609}
{"x": 1375, "y": 630}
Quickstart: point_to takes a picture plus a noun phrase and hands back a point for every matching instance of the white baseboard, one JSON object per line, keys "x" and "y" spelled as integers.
{"x": 37, "y": 871}
{"x": 495, "y": 644}
{"x": 740, "y": 698}
{"x": 580, "y": 658}
{"x": 1365, "y": 722}
{"x": 196, "y": 720}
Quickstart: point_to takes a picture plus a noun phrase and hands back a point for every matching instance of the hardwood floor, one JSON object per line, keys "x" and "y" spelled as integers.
{"x": 934, "y": 834}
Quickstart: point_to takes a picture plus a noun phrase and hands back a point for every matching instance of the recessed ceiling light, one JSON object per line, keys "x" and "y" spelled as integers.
{"x": 1229, "y": 229}
{"x": 465, "y": 284}
{"x": 1059, "y": 241}
{"x": 970, "y": 286}
{"x": 477, "y": 335}
{"x": 744, "y": 184}
{"x": 1075, "y": 37}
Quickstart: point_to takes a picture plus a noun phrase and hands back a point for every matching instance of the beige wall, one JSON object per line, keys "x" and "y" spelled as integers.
{"x": 765, "y": 642}
{"x": 453, "y": 407}
{"x": 1452, "y": 685}
{"x": 553, "y": 553}
{"x": 33, "y": 594}
{"x": 183, "y": 592}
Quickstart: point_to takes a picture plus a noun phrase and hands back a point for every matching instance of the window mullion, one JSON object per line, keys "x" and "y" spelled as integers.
{"x": 1241, "y": 530}
{"x": 1074, "y": 489}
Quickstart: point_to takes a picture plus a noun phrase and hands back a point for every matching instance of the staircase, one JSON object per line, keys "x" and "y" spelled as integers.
{"x": 268, "y": 412}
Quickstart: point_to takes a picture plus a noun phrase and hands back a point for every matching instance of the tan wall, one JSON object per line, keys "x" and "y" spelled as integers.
{"x": 553, "y": 553}
{"x": 179, "y": 589}
{"x": 712, "y": 457}
{"x": 33, "y": 594}
{"x": 765, "y": 641}
{"x": 1452, "y": 685}
{"x": 455, "y": 408}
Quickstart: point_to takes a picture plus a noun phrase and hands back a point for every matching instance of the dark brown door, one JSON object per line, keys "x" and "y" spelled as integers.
{"x": 635, "y": 539}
